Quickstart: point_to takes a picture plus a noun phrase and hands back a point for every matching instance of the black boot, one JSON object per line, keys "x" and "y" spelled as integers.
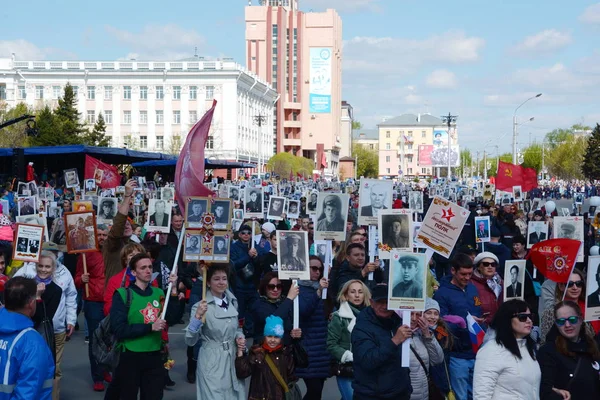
{"x": 191, "y": 370}
{"x": 168, "y": 381}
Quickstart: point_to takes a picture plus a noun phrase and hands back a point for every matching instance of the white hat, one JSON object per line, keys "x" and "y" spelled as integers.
{"x": 485, "y": 254}
{"x": 268, "y": 226}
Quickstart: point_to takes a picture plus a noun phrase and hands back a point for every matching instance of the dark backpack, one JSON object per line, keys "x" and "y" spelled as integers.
{"x": 105, "y": 347}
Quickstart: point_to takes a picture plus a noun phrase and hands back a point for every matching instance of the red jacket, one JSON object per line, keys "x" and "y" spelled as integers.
{"x": 397, "y": 204}
{"x": 489, "y": 302}
{"x": 114, "y": 283}
{"x": 95, "y": 267}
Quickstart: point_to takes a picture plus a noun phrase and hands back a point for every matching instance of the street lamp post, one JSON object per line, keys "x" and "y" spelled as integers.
{"x": 259, "y": 120}
{"x": 449, "y": 119}
{"x": 514, "y": 160}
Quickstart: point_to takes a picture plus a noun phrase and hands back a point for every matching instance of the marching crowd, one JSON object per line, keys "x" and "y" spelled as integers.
{"x": 535, "y": 347}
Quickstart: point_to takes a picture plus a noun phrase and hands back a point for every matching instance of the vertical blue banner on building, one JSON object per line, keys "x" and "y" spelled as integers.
{"x": 320, "y": 80}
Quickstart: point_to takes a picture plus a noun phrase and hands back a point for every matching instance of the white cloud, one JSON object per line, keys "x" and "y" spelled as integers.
{"x": 25, "y": 50}
{"x": 158, "y": 42}
{"x": 591, "y": 15}
{"x": 340, "y": 5}
{"x": 441, "y": 79}
{"x": 545, "y": 41}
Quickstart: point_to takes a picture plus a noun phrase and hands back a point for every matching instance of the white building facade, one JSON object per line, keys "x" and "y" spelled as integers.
{"x": 152, "y": 105}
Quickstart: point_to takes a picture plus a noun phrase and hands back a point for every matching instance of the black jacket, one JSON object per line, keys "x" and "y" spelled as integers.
{"x": 347, "y": 273}
{"x": 283, "y": 308}
{"x": 558, "y": 370}
{"x": 50, "y": 299}
{"x": 378, "y": 371}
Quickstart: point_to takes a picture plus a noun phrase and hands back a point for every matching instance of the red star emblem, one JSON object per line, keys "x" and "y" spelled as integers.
{"x": 448, "y": 214}
{"x": 206, "y": 250}
{"x": 150, "y": 313}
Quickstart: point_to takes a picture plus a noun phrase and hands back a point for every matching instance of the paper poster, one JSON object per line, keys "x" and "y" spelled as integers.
{"x": 374, "y": 196}
{"x": 592, "y": 301}
{"x": 514, "y": 279}
{"x": 537, "y": 231}
{"x": 332, "y": 214}
{"x": 408, "y": 277}
{"x": 569, "y": 228}
{"x": 395, "y": 231}
{"x": 482, "y": 229}
{"x": 81, "y": 232}
{"x": 292, "y": 255}
{"x": 159, "y": 216}
{"x": 28, "y": 242}
{"x": 442, "y": 226}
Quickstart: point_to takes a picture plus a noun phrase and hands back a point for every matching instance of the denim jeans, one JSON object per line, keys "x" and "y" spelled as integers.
{"x": 92, "y": 310}
{"x": 345, "y": 387}
{"x": 461, "y": 377}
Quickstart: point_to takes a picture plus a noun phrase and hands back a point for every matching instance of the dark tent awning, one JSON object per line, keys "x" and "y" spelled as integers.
{"x": 208, "y": 164}
{"x": 110, "y": 155}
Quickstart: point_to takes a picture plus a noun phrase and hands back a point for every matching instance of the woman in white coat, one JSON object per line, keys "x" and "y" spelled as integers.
{"x": 220, "y": 334}
{"x": 425, "y": 351}
{"x": 506, "y": 367}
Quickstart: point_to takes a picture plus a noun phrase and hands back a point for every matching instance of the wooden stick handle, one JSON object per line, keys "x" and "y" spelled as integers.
{"x": 204, "y": 271}
{"x": 87, "y": 287}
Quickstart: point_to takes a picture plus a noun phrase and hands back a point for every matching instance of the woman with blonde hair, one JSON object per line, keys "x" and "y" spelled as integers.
{"x": 353, "y": 298}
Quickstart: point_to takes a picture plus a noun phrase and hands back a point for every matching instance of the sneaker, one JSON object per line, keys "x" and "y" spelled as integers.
{"x": 98, "y": 387}
{"x": 87, "y": 340}
{"x": 107, "y": 377}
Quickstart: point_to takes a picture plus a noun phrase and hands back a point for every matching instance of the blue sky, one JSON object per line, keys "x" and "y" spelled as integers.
{"x": 476, "y": 59}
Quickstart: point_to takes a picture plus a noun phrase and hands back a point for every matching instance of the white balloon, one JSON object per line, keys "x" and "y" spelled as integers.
{"x": 550, "y": 207}
{"x": 595, "y": 201}
{"x": 594, "y": 250}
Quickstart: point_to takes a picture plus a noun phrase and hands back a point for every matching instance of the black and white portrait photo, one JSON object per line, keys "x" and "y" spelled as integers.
{"x": 514, "y": 279}
{"x": 233, "y": 192}
{"x": 107, "y": 209}
{"x": 54, "y": 212}
{"x": 415, "y": 201}
{"x": 332, "y": 214}
{"x": 395, "y": 230}
{"x": 592, "y": 305}
{"x": 517, "y": 193}
{"x": 253, "y": 203}
{"x": 374, "y": 196}
{"x": 292, "y": 255}
{"x": 166, "y": 194}
{"x": 221, "y": 209}
{"x": 159, "y": 216}
{"x": 482, "y": 229}
{"x": 71, "y": 178}
{"x": 537, "y": 231}
{"x": 90, "y": 186}
{"x": 275, "y": 210}
{"x": 236, "y": 224}
{"x": 33, "y": 189}
{"x": 220, "y": 248}
{"x": 569, "y": 228}
{"x": 238, "y": 213}
{"x": 27, "y": 205}
{"x": 28, "y": 241}
{"x": 293, "y": 209}
{"x": 23, "y": 189}
{"x": 5, "y": 207}
{"x": 192, "y": 244}
{"x": 578, "y": 197}
{"x": 408, "y": 273}
{"x": 311, "y": 202}
{"x": 195, "y": 209}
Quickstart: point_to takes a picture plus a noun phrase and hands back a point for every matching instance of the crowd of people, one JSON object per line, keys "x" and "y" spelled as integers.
{"x": 537, "y": 346}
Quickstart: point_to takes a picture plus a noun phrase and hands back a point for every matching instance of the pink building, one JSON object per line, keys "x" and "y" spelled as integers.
{"x": 300, "y": 54}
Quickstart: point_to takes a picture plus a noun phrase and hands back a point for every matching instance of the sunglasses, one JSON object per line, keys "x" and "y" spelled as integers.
{"x": 523, "y": 317}
{"x": 574, "y": 320}
{"x": 316, "y": 268}
{"x": 579, "y": 284}
{"x": 270, "y": 286}
{"x": 245, "y": 233}
{"x": 489, "y": 264}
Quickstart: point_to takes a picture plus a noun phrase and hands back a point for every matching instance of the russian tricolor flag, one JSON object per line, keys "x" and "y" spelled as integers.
{"x": 476, "y": 332}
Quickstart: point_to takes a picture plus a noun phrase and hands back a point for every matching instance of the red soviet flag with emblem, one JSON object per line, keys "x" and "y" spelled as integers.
{"x": 106, "y": 175}
{"x": 555, "y": 258}
{"x": 510, "y": 175}
{"x": 189, "y": 173}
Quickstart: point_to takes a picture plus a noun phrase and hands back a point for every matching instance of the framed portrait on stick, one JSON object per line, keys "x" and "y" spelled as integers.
{"x": 592, "y": 300}
{"x": 80, "y": 229}
{"x": 253, "y": 202}
{"x": 221, "y": 210}
{"x": 332, "y": 215}
{"x": 374, "y": 196}
{"x": 569, "y": 228}
{"x": 408, "y": 277}
{"x": 514, "y": 279}
{"x": 395, "y": 231}
{"x": 292, "y": 255}
{"x": 28, "y": 242}
{"x": 159, "y": 216}
{"x": 276, "y": 208}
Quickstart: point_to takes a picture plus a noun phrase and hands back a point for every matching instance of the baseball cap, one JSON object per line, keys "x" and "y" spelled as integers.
{"x": 379, "y": 292}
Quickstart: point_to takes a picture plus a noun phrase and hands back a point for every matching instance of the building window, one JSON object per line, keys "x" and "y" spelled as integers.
{"x": 193, "y": 92}
{"x": 387, "y": 170}
{"x": 388, "y": 146}
{"x": 409, "y": 146}
{"x": 91, "y": 117}
{"x": 127, "y": 93}
{"x": 143, "y": 117}
{"x": 91, "y": 92}
{"x": 210, "y": 92}
{"x": 75, "y": 91}
{"x": 56, "y": 92}
{"x": 177, "y": 92}
{"x": 108, "y": 93}
{"x": 210, "y": 142}
{"x": 143, "y": 92}
{"x": 387, "y": 158}
{"x": 423, "y": 134}
{"x": 127, "y": 117}
{"x": 371, "y": 146}
{"x": 410, "y": 132}
{"x": 387, "y": 135}
{"x": 160, "y": 142}
{"x": 39, "y": 92}
{"x": 22, "y": 93}
{"x": 160, "y": 117}
{"x": 176, "y": 117}
{"x": 160, "y": 93}
{"x": 423, "y": 170}
{"x": 143, "y": 142}
{"x": 108, "y": 116}
{"x": 193, "y": 117}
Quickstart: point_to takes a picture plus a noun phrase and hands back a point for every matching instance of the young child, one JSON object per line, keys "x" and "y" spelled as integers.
{"x": 264, "y": 384}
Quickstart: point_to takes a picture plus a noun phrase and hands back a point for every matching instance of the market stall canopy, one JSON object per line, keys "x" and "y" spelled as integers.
{"x": 208, "y": 164}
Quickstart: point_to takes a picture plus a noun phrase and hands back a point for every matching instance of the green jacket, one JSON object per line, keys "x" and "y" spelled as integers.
{"x": 339, "y": 331}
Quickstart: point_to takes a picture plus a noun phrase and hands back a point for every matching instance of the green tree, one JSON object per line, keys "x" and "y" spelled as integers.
{"x": 356, "y": 125}
{"x": 73, "y": 130}
{"x": 532, "y": 157}
{"x": 367, "y": 162}
{"x": 97, "y": 136}
{"x": 14, "y": 135}
{"x": 590, "y": 166}
{"x": 285, "y": 163}
{"x": 565, "y": 160}
{"x": 49, "y": 129}
{"x": 557, "y": 136}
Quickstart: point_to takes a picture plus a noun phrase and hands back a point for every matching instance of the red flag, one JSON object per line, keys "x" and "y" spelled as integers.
{"x": 189, "y": 172}
{"x": 106, "y": 175}
{"x": 510, "y": 175}
{"x": 323, "y": 160}
{"x": 291, "y": 175}
{"x": 555, "y": 258}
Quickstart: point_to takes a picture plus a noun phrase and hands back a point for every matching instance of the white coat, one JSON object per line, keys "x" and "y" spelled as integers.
{"x": 499, "y": 375}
